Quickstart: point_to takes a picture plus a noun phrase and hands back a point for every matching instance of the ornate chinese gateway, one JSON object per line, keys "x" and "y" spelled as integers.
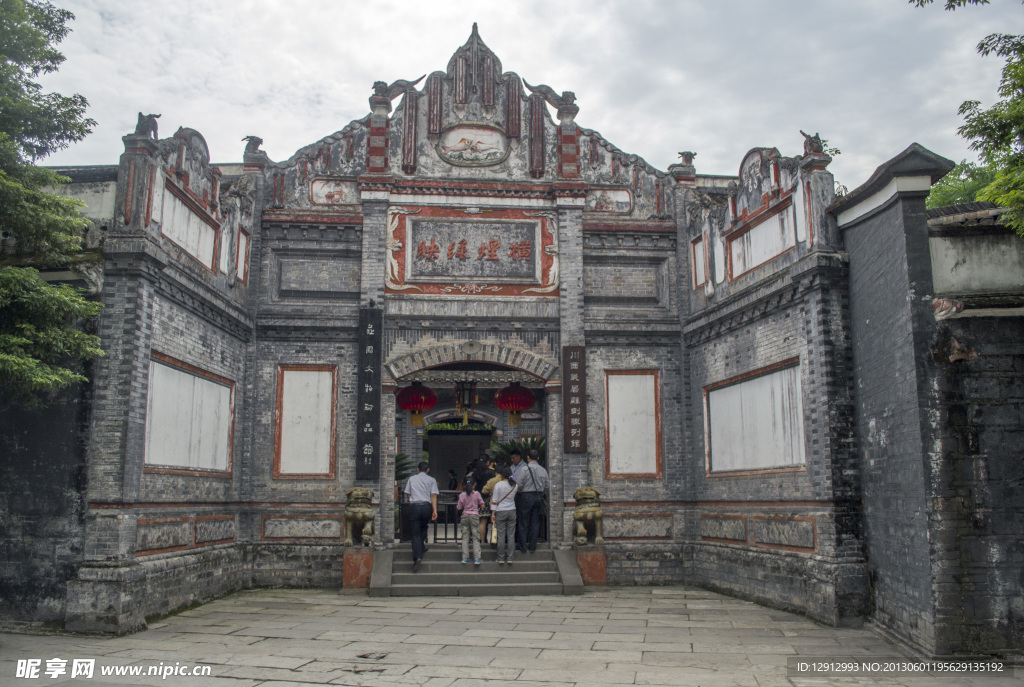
{"x": 747, "y": 370}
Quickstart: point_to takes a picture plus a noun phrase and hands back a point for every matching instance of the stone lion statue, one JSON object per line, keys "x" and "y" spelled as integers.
{"x": 359, "y": 514}
{"x": 587, "y": 515}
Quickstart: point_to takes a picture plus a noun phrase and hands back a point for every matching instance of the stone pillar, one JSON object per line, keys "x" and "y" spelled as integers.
{"x": 573, "y": 467}
{"x": 819, "y": 191}
{"x": 106, "y": 596}
{"x": 375, "y": 192}
{"x": 384, "y": 534}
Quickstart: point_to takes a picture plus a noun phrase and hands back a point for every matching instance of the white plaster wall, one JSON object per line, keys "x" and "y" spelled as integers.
{"x": 757, "y": 423}
{"x": 97, "y": 196}
{"x": 977, "y": 264}
{"x": 762, "y": 243}
{"x": 187, "y": 229}
{"x": 632, "y": 428}
{"x": 241, "y": 262}
{"x": 306, "y": 405}
{"x": 699, "y": 263}
{"x": 188, "y": 420}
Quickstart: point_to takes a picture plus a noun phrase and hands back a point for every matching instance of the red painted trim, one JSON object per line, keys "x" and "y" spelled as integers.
{"x": 195, "y": 526}
{"x": 198, "y": 372}
{"x": 301, "y": 516}
{"x": 658, "y": 472}
{"x": 155, "y": 505}
{"x": 281, "y": 369}
{"x": 244, "y": 278}
{"x": 149, "y": 198}
{"x": 166, "y": 549}
{"x": 783, "y": 547}
{"x": 128, "y": 193}
{"x": 693, "y": 261}
{"x": 739, "y": 233}
{"x": 760, "y": 372}
{"x": 634, "y": 516}
{"x": 719, "y": 540}
{"x": 715, "y": 504}
{"x": 435, "y": 288}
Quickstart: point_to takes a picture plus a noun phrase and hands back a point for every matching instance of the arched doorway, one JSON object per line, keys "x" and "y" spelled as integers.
{"x": 466, "y": 420}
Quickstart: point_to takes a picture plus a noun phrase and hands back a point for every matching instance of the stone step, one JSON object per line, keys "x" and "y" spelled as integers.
{"x": 454, "y": 564}
{"x": 475, "y": 578}
{"x": 516, "y": 589}
{"x": 449, "y": 553}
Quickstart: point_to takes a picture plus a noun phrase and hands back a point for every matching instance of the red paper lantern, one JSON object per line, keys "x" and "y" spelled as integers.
{"x": 514, "y": 399}
{"x": 416, "y": 399}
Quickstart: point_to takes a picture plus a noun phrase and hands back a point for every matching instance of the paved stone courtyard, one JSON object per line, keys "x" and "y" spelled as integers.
{"x": 611, "y": 636}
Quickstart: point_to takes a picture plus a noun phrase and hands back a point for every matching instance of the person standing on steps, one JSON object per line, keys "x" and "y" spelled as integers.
{"x": 470, "y": 503}
{"x": 533, "y": 483}
{"x": 518, "y": 466}
{"x": 422, "y": 491}
{"x": 503, "y": 515}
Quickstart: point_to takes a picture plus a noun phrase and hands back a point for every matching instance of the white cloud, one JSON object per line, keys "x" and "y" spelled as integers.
{"x": 653, "y": 77}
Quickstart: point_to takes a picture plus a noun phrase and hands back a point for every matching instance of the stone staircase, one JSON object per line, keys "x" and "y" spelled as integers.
{"x": 441, "y": 573}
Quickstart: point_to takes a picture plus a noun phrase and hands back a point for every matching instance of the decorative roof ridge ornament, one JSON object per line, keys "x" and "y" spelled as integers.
{"x": 565, "y": 104}
{"x": 383, "y": 94}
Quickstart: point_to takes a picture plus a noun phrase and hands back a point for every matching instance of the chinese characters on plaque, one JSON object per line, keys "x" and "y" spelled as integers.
{"x": 369, "y": 341}
{"x": 574, "y": 398}
{"x": 494, "y": 250}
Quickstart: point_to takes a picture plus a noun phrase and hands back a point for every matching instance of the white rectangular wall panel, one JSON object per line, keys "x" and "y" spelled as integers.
{"x": 757, "y": 423}
{"x": 187, "y": 229}
{"x": 765, "y": 241}
{"x": 188, "y": 420}
{"x": 699, "y": 263}
{"x": 242, "y": 260}
{"x": 633, "y": 423}
{"x": 305, "y": 422}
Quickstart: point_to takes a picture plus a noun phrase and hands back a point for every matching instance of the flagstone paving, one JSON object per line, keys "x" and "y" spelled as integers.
{"x": 609, "y": 636}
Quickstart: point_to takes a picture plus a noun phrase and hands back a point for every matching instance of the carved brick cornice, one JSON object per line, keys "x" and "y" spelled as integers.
{"x": 420, "y": 322}
{"x": 711, "y": 325}
{"x": 634, "y": 338}
{"x": 207, "y": 304}
{"x": 306, "y": 329}
{"x": 481, "y": 189}
{"x": 610, "y": 240}
{"x": 313, "y": 232}
{"x": 788, "y": 287}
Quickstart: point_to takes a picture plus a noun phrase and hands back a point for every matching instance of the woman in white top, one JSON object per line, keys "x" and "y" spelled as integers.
{"x": 503, "y": 515}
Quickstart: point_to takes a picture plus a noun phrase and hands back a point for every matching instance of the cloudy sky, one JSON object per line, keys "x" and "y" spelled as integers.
{"x": 653, "y": 76}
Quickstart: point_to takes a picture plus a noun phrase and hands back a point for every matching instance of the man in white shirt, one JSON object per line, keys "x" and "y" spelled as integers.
{"x": 422, "y": 491}
{"x": 533, "y": 485}
{"x": 517, "y": 467}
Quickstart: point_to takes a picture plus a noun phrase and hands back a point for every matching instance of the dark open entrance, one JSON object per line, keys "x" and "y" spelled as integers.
{"x": 452, "y": 449}
{"x": 453, "y": 445}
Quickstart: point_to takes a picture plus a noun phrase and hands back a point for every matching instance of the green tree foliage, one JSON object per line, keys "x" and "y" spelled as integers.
{"x": 998, "y": 132}
{"x": 40, "y": 336}
{"x": 501, "y": 450}
{"x": 961, "y": 185}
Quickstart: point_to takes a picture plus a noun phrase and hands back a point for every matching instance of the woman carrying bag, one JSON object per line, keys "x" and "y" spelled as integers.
{"x": 503, "y": 516}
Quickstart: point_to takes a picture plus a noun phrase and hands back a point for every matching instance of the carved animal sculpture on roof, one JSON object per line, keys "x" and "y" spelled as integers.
{"x": 147, "y": 125}
{"x": 812, "y": 144}
{"x": 548, "y": 93}
{"x": 381, "y": 88}
{"x": 252, "y": 144}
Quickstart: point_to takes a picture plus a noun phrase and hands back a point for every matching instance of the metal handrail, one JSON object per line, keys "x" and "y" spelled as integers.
{"x": 445, "y": 529}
